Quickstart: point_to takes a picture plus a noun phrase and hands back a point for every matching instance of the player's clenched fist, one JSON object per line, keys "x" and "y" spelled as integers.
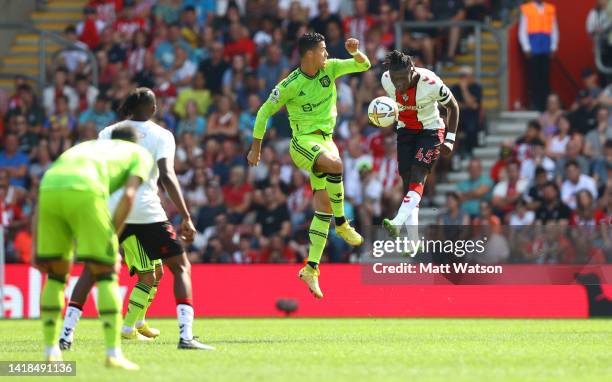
{"x": 351, "y": 45}
{"x": 253, "y": 157}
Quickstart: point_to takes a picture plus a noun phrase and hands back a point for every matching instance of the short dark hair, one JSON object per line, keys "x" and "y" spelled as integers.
{"x": 396, "y": 60}
{"x": 572, "y": 162}
{"x": 135, "y": 101}
{"x": 539, "y": 171}
{"x": 309, "y": 41}
{"x": 535, "y": 124}
{"x": 552, "y": 184}
{"x": 125, "y": 133}
{"x": 608, "y": 144}
{"x": 70, "y": 29}
{"x": 454, "y": 195}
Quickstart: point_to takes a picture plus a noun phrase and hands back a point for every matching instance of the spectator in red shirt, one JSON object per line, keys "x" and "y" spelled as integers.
{"x": 238, "y": 195}
{"x": 129, "y": 22}
{"x": 357, "y": 25}
{"x": 240, "y": 43}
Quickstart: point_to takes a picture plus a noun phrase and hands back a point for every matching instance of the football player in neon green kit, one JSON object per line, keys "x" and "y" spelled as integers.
{"x": 73, "y": 206}
{"x": 309, "y": 93}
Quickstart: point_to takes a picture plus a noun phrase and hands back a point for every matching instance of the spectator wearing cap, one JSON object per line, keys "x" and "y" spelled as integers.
{"x": 583, "y": 116}
{"x": 213, "y": 68}
{"x": 474, "y": 189}
{"x": 552, "y": 209}
{"x": 556, "y": 145}
{"x": 549, "y": 118}
{"x": 197, "y": 93}
{"x": 596, "y": 138}
{"x": 468, "y": 94}
{"x": 576, "y": 181}
{"x": 507, "y": 192}
{"x": 539, "y": 38}
{"x": 100, "y": 114}
{"x": 14, "y": 161}
{"x": 59, "y": 88}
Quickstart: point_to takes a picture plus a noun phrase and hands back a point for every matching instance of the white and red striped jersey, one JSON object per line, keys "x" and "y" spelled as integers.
{"x": 418, "y": 106}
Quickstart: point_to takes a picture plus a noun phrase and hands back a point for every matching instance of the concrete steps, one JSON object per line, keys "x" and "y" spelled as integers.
{"x": 507, "y": 126}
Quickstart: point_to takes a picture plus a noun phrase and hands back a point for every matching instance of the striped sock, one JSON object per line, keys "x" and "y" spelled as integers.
{"x": 109, "y": 309}
{"x": 141, "y": 317}
{"x": 137, "y": 305}
{"x": 335, "y": 191}
{"x": 51, "y": 305}
{"x": 317, "y": 233}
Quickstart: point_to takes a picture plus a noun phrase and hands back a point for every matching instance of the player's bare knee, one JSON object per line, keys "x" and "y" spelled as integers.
{"x": 335, "y": 166}
{"x": 159, "y": 273}
{"x": 147, "y": 278}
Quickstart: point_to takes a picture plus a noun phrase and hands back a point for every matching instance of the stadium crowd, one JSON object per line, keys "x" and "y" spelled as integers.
{"x": 211, "y": 64}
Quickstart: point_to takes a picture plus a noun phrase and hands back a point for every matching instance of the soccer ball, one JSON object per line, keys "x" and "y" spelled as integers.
{"x": 383, "y": 111}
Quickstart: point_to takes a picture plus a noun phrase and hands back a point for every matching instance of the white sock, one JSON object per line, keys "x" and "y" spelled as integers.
{"x": 127, "y": 329}
{"x": 114, "y": 352}
{"x": 70, "y": 321}
{"x": 412, "y": 224}
{"x": 53, "y": 351}
{"x": 140, "y": 323}
{"x": 184, "y": 313}
{"x": 411, "y": 200}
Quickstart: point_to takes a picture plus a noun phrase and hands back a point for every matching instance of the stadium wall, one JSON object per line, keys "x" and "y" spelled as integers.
{"x": 253, "y": 290}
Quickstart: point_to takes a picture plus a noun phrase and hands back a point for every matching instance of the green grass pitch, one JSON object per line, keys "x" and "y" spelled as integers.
{"x": 343, "y": 350}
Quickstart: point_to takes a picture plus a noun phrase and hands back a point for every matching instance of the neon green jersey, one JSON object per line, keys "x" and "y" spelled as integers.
{"x": 100, "y": 166}
{"x": 311, "y": 101}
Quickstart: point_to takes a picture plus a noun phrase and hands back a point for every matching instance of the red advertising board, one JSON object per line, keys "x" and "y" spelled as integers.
{"x": 253, "y": 290}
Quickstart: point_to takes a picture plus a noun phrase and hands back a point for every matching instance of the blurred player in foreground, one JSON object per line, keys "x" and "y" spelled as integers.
{"x": 420, "y": 130}
{"x": 73, "y": 205}
{"x": 310, "y": 95}
{"x": 148, "y": 237}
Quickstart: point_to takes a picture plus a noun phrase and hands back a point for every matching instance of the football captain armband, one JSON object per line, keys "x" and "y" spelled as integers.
{"x": 450, "y": 137}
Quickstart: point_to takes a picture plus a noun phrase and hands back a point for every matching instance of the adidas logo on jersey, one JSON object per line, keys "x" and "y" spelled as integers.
{"x": 301, "y": 93}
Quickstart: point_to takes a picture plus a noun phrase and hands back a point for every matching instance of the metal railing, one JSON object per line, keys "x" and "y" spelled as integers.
{"x": 43, "y": 35}
{"x": 500, "y": 35}
{"x": 478, "y": 27}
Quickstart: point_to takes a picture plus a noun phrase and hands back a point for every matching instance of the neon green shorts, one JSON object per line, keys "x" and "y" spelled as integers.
{"x": 306, "y": 149}
{"x": 136, "y": 258}
{"x": 66, "y": 216}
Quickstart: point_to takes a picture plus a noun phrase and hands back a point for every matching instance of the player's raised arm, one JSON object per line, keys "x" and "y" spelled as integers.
{"x": 359, "y": 62}
{"x": 279, "y": 96}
